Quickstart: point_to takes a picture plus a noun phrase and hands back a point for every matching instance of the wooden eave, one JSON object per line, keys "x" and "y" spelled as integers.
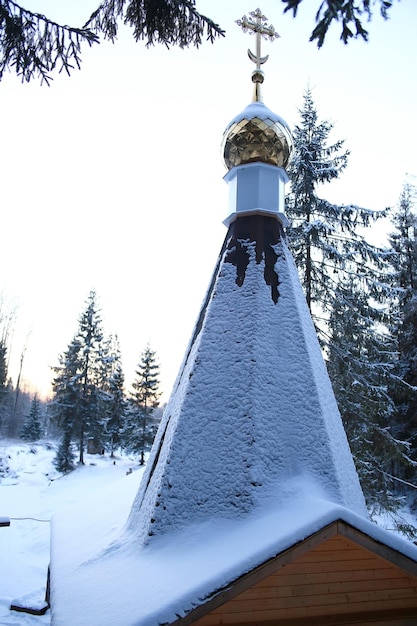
{"x": 335, "y": 597}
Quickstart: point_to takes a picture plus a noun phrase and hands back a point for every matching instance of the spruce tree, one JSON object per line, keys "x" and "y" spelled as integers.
{"x": 78, "y": 384}
{"x": 347, "y": 13}
{"x": 116, "y": 404}
{"x": 90, "y": 337}
{"x": 32, "y": 429}
{"x": 360, "y": 365}
{"x": 347, "y": 290}
{"x": 404, "y": 319}
{"x": 3, "y": 365}
{"x": 404, "y": 243}
{"x": 325, "y": 238}
{"x": 66, "y": 402}
{"x": 7, "y": 392}
{"x": 139, "y": 432}
{"x": 64, "y": 460}
{"x": 406, "y": 391}
{"x": 34, "y": 46}
{"x": 3, "y": 380}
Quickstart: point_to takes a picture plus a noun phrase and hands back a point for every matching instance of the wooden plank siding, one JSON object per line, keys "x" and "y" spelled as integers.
{"x": 337, "y": 580}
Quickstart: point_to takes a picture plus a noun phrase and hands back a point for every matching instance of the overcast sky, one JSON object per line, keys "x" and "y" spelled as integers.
{"x": 111, "y": 179}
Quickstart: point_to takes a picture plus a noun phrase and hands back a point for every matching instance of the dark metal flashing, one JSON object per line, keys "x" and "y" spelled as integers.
{"x": 263, "y": 231}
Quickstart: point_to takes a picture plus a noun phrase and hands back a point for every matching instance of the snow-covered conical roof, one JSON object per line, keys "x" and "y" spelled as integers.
{"x": 253, "y": 408}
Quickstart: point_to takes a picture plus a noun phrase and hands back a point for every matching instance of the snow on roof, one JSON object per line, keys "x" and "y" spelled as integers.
{"x": 253, "y": 405}
{"x": 250, "y": 457}
{"x": 108, "y": 578}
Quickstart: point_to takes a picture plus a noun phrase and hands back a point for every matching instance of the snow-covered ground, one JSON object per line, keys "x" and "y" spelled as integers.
{"x": 30, "y": 493}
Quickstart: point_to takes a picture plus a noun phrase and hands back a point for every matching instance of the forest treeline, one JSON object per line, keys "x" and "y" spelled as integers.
{"x": 90, "y": 409}
{"x": 363, "y": 300}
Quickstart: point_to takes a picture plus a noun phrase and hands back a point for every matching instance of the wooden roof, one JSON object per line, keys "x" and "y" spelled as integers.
{"x": 338, "y": 575}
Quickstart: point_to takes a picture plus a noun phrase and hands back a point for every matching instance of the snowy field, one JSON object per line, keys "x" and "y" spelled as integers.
{"x": 30, "y": 493}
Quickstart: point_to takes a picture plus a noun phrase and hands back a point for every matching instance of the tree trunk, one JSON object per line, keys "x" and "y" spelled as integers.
{"x": 81, "y": 459}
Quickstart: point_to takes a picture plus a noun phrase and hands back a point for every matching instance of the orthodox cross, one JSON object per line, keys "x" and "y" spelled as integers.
{"x": 258, "y": 26}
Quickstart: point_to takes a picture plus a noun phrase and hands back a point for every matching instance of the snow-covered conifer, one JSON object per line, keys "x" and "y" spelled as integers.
{"x": 66, "y": 401}
{"x": 360, "y": 365}
{"x": 78, "y": 381}
{"x": 3, "y": 379}
{"x": 404, "y": 320}
{"x": 116, "y": 403}
{"x": 3, "y": 365}
{"x": 346, "y": 281}
{"x": 64, "y": 460}
{"x": 32, "y": 429}
{"x": 140, "y": 430}
{"x": 325, "y": 238}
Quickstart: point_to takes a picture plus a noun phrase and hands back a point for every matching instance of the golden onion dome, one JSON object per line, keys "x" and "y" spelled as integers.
{"x": 257, "y": 135}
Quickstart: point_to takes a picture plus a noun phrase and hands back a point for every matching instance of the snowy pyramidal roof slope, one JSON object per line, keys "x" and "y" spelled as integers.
{"x": 253, "y": 406}
{"x": 251, "y": 455}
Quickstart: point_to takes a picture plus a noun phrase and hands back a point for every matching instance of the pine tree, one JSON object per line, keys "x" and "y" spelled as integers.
{"x": 64, "y": 460}
{"x": 3, "y": 379}
{"x": 32, "y": 429}
{"x": 33, "y": 45}
{"x": 90, "y": 336}
{"x": 78, "y": 385}
{"x": 360, "y": 365}
{"x": 404, "y": 319}
{"x": 347, "y": 13}
{"x": 139, "y": 432}
{"x": 406, "y": 392}
{"x": 324, "y": 237}
{"x": 7, "y": 392}
{"x": 66, "y": 402}
{"x": 116, "y": 404}
{"x": 404, "y": 243}
{"x": 3, "y": 365}
{"x": 346, "y": 287}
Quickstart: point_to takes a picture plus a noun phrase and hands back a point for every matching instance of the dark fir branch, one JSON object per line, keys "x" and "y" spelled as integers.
{"x": 33, "y": 46}
{"x": 351, "y": 14}
{"x": 170, "y": 22}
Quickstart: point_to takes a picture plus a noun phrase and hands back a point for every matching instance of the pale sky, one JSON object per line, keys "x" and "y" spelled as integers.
{"x": 111, "y": 179}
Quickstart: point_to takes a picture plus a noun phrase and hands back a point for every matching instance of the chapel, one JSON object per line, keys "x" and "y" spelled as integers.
{"x": 250, "y": 511}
